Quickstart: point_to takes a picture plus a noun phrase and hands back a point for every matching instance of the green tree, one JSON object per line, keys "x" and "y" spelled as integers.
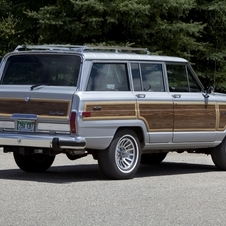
{"x": 7, "y": 26}
{"x": 193, "y": 29}
{"x": 210, "y": 60}
{"x": 159, "y": 25}
{"x": 16, "y": 27}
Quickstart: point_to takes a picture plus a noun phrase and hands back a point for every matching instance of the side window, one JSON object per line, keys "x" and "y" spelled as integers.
{"x": 193, "y": 84}
{"x": 180, "y": 79}
{"x": 108, "y": 77}
{"x": 152, "y": 77}
{"x": 147, "y": 77}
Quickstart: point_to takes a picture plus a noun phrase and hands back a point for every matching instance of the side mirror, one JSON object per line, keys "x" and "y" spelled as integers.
{"x": 210, "y": 89}
{"x": 207, "y": 91}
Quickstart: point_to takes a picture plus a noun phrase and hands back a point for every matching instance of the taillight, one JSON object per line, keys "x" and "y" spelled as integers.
{"x": 72, "y": 122}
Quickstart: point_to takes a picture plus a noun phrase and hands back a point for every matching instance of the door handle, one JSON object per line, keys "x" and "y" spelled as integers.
{"x": 140, "y": 95}
{"x": 176, "y": 96}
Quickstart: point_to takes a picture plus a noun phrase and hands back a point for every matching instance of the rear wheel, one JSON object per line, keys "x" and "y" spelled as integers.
{"x": 218, "y": 155}
{"x": 121, "y": 159}
{"x": 33, "y": 162}
{"x": 153, "y": 159}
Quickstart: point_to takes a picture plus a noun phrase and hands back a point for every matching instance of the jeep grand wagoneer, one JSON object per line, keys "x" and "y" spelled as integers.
{"x": 119, "y": 105}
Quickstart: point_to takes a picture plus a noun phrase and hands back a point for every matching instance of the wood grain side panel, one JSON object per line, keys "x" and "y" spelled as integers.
{"x": 194, "y": 117}
{"x": 222, "y": 117}
{"x": 114, "y": 110}
{"x": 42, "y": 108}
{"x": 157, "y": 116}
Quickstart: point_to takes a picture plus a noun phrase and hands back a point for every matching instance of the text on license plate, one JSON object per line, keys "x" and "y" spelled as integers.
{"x": 26, "y": 125}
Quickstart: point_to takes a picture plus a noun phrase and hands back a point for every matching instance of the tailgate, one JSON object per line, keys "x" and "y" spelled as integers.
{"x": 43, "y": 109}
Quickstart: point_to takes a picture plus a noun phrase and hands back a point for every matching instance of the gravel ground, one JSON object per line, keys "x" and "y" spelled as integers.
{"x": 186, "y": 189}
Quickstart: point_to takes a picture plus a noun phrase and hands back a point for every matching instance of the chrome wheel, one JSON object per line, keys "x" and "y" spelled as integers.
{"x": 122, "y": 158}
{"x": 126, "y": 154}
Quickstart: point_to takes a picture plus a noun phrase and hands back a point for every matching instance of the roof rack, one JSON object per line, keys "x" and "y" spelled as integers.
{"x": 117, "y": 48}
{"x": 79, "y": 48}
{"x": 48, "y": 47}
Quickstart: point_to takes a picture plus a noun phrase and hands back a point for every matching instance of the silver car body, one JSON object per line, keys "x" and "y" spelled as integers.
{"x": 166, "y": 120}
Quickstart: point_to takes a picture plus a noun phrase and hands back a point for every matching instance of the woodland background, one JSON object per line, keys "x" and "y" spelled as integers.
{"x": 193, "y": 29}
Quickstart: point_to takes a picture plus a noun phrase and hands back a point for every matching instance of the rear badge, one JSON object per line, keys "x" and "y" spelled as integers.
{"x": 97, "y": 108}
{"x": 58, "y": 113}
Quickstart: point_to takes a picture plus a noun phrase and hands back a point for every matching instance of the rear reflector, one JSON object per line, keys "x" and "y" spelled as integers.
{"x": 86, "y": 114}
{"x": 72, "y": 122}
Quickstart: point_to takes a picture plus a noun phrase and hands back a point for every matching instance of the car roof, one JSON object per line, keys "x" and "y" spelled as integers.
{"x": 108, "y": 56}
{"x": 97, "y": 52}
{"x": 129, "y": 56}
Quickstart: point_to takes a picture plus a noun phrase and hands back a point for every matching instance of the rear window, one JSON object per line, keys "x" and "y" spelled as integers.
{"x": 59, "y": 70}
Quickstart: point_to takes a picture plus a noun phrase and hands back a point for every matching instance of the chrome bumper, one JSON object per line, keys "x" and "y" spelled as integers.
{"x": 55, "y": 142}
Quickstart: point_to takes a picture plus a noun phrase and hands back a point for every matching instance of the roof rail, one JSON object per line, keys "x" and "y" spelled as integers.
{"x": 117, "y": 48}
{"x": 48, "y": 47}
{"x": 80, "y": 48}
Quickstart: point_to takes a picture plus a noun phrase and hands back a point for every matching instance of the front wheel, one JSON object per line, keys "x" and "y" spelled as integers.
{"x": 122, "y": 158}
{"x": 33, "y": 162}
{"x": 218, "y": 155}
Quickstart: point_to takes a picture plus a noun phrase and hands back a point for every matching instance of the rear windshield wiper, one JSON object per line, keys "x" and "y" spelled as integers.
{"x": 43, "y": 84}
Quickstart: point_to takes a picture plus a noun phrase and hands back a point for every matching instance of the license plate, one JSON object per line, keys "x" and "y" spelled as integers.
{"x": 26, "y": 125}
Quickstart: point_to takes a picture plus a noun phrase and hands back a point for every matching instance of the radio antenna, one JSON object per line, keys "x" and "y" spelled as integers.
{"x": 215, "y": 68}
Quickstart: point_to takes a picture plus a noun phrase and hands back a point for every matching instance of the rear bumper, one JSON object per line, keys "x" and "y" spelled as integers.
{"x": 56, "y": 142}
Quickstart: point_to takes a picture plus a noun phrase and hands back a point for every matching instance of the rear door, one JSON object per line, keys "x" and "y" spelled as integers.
{"x": 107, "y": 104}
{"x": 37, "y": 90}
{"x": 155, "y": 105}
{"x": 194, "y": 114}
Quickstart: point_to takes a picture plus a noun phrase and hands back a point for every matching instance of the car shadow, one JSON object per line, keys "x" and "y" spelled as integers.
{"x": 91, "y": 172}
{"x": 171, "y": 168}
